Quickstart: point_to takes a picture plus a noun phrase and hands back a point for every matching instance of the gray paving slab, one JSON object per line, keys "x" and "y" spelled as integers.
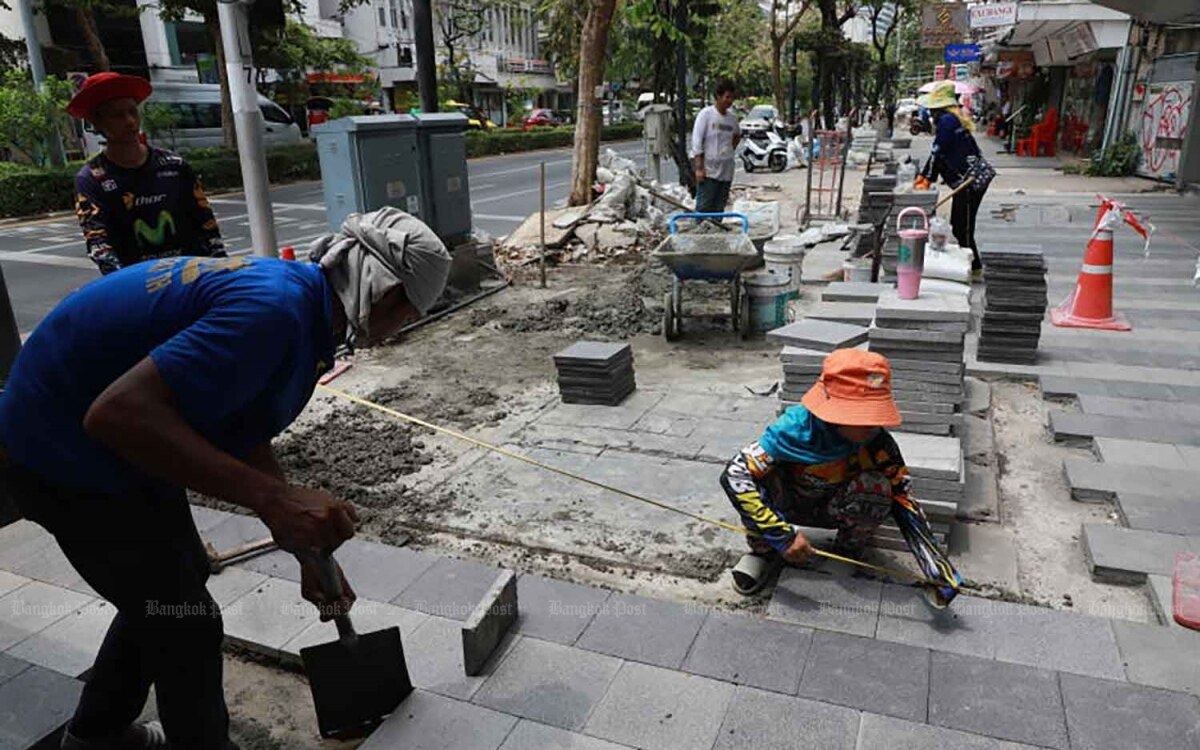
{"x": 802, "y": 356}
{"x": 11, "y": 666}
{"x": 660, "y": 709}
{"x": 916, "y": 338}
{"x": 967, "y": 627}
{"x": 979, "y": 395}
{"x": 232, "y": 583}
{"x": 11, "y": 582}
{"x": 595, "y": 440}
{"x": 1122, "y": 555}
{"x": 931, "y": 456}
{"x": 486, "y": 627}
{"x": 985, "y": 553}
{"x": 600, "y": 352}
{"x": 1191, "y": 455}
{"x": 425, "y": 721}
{"x": 1161, "y": 513}
{"x": 69, "y": 646}
{"x": 981, "y": 495}
{"x": 280, "y": 564}
{"x": 34, "y": 607}
{"x": 556, "y": 610}
{"x": 530, "y": 735}
{"x": 822, "y": 335}
{"x": 863, "y": 673}
{"x": 1061, "y": 640}
{"x": 643, "y": 630}
{"x": 1104, "y": 714}
{"x": 1006, "y": 701}
{"x": 435, "y": 658}
{"x": 1075, "y": 427}
{"x": 549, "y": 682}
{"x": 821, "y": 599}
{"x": 50, "y": 565}
{"x": 1175, "y": 411}
{"x": 1159, "y": 656}
{"x": 853, "y": 291}
{"x": 448, "y": 588}
{"x": 34, "y": 705}
{"x": 19, "y": 541}
{"x": 1095, "y": 481}
{"x": 768, "y": 721}
{"x": 889, "y": 733}
{"x": 926, "y": 365}
{"x": 206, "y": 518}
{"x": 750, "y": 651}
{"x": 853, "y": 313}
{"x": 1162, "y": 596}
{"x": 620, "y": 417}
{"x": 268, "y": 616}
{"x": 368, "y": 617}
{"x": 235, "y": 530}
{"x": 1139, "y": 453}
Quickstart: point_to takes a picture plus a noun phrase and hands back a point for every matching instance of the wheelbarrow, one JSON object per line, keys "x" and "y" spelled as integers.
{"x": 712, "y": 257}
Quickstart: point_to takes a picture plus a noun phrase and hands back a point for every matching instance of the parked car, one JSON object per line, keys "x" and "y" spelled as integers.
{"x": 198, "y": 107}
{"x": 476, "y": 119}
{"x": 759, "y": 119}
{"x": 542, "y": 118}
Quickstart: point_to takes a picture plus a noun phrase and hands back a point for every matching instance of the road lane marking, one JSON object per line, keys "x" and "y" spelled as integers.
{"x": 498, "y": 217}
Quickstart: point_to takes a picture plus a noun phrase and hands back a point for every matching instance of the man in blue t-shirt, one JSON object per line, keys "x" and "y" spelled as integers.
{"x": 175, "y": 374}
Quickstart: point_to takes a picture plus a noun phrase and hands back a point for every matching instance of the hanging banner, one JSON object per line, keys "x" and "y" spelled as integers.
{"x": 961, "y": 53}
{"x": 1079, "y": 40}
{"x": 942, "y": 24}
{"x": 996, "y": 14}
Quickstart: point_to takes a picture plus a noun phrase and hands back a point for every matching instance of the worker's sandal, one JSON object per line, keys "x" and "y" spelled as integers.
{"x": 753, "y": 571}
{"x": 148, "y": 736}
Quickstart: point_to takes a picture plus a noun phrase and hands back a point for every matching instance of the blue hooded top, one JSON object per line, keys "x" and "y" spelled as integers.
{"x": 800, "y": 437}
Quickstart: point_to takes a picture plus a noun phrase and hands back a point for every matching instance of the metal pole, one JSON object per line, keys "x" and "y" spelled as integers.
{"x": 33, "y": 49}
{"x": 247, "y": 120}
{"x": 426, "y": 65}
{"x": 681, "y": 133}
{"x": 542, "y": 194}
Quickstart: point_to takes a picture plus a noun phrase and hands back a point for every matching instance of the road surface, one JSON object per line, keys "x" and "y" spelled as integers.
{"x": 44, "y": 260}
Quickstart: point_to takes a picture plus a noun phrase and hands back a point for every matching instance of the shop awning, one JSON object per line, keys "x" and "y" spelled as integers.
{"x": 1157, "y": 11}
{"x": 1062, "y": 33}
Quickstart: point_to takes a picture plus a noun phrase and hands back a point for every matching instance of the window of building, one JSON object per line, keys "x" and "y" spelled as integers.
{"x": 382, "y": 16}
{"x": 404, "y": 56}
{"x": 395, "y": 18}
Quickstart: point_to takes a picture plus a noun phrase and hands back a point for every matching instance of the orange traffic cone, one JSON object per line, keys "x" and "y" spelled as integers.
{"x": 287, "y": 252}
{"x": 1090, "y": 304}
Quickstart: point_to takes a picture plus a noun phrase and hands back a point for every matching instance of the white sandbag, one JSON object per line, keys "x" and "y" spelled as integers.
{"x": 941, "y": 286}
{"x": 951, "y": 264}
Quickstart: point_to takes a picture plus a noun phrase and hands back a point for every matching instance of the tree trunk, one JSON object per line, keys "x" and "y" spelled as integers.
{"x": 86, "y": 19}
{"x": 227, "y": 126}
{"x": 777, "y": 73}
{"x": 592, "y": 54}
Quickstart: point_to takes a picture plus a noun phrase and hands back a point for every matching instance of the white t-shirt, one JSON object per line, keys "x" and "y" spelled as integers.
{"x": 712, "y": 135}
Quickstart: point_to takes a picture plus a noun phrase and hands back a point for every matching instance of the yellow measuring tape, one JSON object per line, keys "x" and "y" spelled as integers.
{"x": 894, "y": 572}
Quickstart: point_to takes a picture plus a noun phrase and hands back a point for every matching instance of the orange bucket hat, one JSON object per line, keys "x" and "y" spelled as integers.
{"x": 855, "y": 389}
{"x": 104, "y": 87}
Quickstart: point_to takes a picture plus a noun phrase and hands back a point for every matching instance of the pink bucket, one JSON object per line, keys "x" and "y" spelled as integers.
{"x": 910, "y": 259}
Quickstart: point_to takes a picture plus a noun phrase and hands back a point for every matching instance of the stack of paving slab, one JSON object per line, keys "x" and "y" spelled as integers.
{"x": 592, "y": 372}
{"x": 923, "y": 340}
{"x": 876, "y": 202}
{"x": 923, "y": 199}
{"x": 805, "y": 346}
{"x": 1014, "y": 293}
{"x": 937, "y": 469}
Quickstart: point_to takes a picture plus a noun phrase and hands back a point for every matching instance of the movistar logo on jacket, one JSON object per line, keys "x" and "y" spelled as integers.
{"x": 158, "y": 234}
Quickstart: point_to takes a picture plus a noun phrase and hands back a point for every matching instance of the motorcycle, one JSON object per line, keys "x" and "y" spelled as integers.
{"x": 763, "y": 149}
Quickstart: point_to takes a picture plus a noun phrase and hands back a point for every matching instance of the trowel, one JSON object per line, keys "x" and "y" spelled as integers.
{"x": 358, "y": 679}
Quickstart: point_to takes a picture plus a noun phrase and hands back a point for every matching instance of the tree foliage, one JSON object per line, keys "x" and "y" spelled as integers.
{"x": 736, "y": 47}
{"x": 31, "y": 116}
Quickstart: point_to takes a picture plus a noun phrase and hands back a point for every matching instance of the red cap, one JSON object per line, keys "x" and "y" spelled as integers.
{"x": 855, "y": 389}
{"x": 104, "y": 87}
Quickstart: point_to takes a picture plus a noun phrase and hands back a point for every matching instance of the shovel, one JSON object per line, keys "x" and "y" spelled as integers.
{"x": 358, "y": 679}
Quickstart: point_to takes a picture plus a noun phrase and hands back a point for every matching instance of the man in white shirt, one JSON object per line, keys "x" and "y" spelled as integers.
{"x": 714, "y": 137}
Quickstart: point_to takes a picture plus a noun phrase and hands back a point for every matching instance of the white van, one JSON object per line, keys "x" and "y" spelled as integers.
{"x": 199, "y": 108}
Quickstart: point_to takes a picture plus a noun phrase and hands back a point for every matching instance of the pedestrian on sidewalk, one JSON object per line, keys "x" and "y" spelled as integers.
{"x": 135, "y": 201}
{"x": 175, "y": 375}
{"x": 954, "y": 157}
{"x": 715, "y": 135}
{"x": 831, "y": 463}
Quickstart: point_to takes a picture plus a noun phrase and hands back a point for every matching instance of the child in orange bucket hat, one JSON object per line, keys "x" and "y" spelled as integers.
{"x": 831, "y": 463}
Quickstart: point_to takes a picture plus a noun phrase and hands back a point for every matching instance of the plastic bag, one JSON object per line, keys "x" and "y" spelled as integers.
{"x": 905, "y": 174}
{"x": 939, "y": 234}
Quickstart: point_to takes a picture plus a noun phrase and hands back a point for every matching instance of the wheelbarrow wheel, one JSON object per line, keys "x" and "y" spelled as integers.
{"x": 670, "y": 319}
{"x": 734, "y": 304}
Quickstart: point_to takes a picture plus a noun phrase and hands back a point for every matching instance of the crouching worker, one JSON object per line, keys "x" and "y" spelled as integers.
{"x": 831, "y": 463}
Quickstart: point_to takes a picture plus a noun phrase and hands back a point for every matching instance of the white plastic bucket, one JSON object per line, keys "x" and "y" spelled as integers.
{"x": 858, "y": 269}
{"x": 785, "y": 256}
{"x": 769, "y": 294}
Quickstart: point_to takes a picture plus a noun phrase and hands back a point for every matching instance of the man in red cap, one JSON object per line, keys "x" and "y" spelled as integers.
{"x": 136, "y": 202}
{"x": 830, "y": 463}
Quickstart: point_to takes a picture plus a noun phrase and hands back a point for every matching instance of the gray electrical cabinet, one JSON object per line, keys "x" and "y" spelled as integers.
{"x": 370, "y": 162}
{"x": 446, "y": 192}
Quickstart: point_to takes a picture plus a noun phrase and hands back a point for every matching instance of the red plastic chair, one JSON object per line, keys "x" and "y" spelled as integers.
{"x": 1041, "y": 136}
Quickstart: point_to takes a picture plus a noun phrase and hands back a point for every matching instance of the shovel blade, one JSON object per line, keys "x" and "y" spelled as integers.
{"x": 354, "y": 686}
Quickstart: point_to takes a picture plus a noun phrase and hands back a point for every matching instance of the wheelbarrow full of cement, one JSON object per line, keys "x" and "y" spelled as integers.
{"x": 718, "y": 256}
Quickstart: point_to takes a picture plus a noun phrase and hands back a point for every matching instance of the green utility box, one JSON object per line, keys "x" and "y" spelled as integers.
{"x": 370, "y": 162}
{"x": 445, "y": 187}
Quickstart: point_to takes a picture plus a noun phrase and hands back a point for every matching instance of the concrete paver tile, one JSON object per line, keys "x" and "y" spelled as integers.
{"x": 434, "y": 654}
{"x": 11, "y": 666}
{"x": 19, "y": 541}
{"x": 368, "y": 617}
{"x": 278, "y": 564}
{"x": 644, "y": 630}
{"x": 863, "y": 673}
{"x": 769, "y": 721}
{"x": 425, "y": 721}
{"x": 659, "y": 709}
{"x": 966, "y": 627}
{"x": 981, "y": 495}
{"x": 1159, "y": 656}
{"x": 268, "y": 616}
{"x": 1104, "y": 714}
{"x": 1070, "y": 426}
{"x": 889, "y": 733}
{"x": 1161, "y": 513}
{"x": 50, "y": 565}
{"x": 820, "y": 599}
{"x": 11, "y": 582}
{"x": 448, "y": 588}
{"x": 206, "y": 518}
{"x": 621, "y": 417}
{"x": 530, "y": 735}
{"x": 1162, "y": 600}
{"x": 233, "y": 583}
{"x": 380, "y": 571}
{"x": 34, "y": 705}
{"x": 34, "y": 607}
{"x": 549, "y": 682}
{"x": 985, "y": 553}
{"x": 1091, "y": 480}
{"x": 750, "y": 651}
{"x": 1139, "y": 453}
{"x": 69, "y": 646}
{"x": 1139, "y": 408}
{"x": 1007, "y": 701}
{"x": 1052, "y": 639}
{"x": 1127, "y": 555}
{"x": 494, "y": 616}
{"x": 235, "y": 530}
{"x": 556, "y": 610}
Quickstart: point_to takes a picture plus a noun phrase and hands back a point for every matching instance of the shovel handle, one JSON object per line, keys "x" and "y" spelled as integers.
{"x": 331, "y": 584}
